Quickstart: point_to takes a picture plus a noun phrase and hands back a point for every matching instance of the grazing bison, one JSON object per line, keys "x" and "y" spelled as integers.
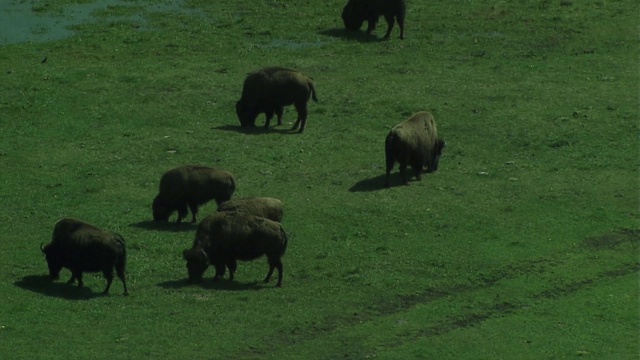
{"x": 414, "y": 142}
{"x": 226, "y": 237}
{"x": 265, "y": 207}
{"x": 358, "y": 11}
{"x": 191, "y": 186}
{"x": 269, "y": 90}
{"x": 81, "y": 247}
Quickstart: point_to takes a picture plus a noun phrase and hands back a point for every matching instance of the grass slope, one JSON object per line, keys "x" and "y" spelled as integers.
{"x": 523, "y": 245}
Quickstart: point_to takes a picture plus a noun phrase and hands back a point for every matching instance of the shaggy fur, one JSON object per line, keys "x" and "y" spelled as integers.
{"x": 226, "y": 237}
{"x": 191, "y": 186}
{"x": 358, "y": 11}
{"x": 81, "y": 247}
{"x": 269, "y": 90}
{"x": 414, "y": 142}
{"x": 265, "y": 207}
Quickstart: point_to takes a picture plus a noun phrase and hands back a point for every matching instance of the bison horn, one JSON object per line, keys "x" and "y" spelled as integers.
{"x": 206, "y": 258}
{"x": 41, "y": 249}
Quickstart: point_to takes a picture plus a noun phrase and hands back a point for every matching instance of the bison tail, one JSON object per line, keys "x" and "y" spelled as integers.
{"x": 313, "y": 90}
{"x": 285, "y": 241}
{"x": 121, "y": 261}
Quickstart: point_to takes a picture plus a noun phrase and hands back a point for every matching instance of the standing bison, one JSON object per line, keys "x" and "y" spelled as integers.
{"x": 358, "y": 11}
{"x": 265, "y": 207}
{"x": 414, "y": 142}
{"x": 269, "y": 90}
{"x": 81, "y": 247}
{"x": 191, "y": 186}
{"x": 226, "y": 237}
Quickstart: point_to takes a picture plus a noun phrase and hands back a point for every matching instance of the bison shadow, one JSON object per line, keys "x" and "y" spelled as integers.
{"x": 258, "y": 130}
{"x": 371, "y": 184}
{"x": 360, "y": 36}
{"x": 43, "y": 284}
{"x": 209, "y": 284}
{"x": 165, "y": 226}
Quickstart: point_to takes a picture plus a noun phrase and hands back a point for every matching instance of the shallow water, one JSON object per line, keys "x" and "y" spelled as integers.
{"x": 20, "y": 23}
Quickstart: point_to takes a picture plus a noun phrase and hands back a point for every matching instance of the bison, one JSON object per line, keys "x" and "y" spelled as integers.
{"x": 265, "y": 207}
{"x": 226, "y": 237}
{"x": 191, "y": 186}
{"x": 358, "y": 11}
{"x": 81, "y": 247}
{"x": 269, "y": 90}
{"x": 415, "y": 142}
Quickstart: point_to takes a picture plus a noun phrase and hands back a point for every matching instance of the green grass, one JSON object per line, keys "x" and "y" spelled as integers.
{"x": 523, "y": 245}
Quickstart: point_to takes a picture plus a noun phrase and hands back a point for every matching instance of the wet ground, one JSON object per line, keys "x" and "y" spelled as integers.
{"x": 25, "y": 21}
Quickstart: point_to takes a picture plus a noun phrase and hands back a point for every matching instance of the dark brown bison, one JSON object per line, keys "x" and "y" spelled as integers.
{"x": 269, "y": 90}
{"x": 358, "y": 11}
{"x": 81, "y": 247}
{"x": 191, "y": 186}
{"x": 226, "y": 237}
{"x": 265, "y": 207}
{"x": 414, "y": 142}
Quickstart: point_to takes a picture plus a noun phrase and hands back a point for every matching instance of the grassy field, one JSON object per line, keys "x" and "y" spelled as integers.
{"x": 523, "y": 245}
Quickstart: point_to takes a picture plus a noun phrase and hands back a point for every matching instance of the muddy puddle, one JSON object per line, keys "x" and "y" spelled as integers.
{"x": 26, "y": 21}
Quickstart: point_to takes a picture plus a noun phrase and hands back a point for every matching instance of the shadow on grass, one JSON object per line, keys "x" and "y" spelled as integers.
{"x": 257, "y": 130}
{"x": 222, "y": 285}
{"x": 168, "y": 226}
{"x": 371, "y": 184}
{"x": 360, "y": 36}
{"x": 43, "y": 284}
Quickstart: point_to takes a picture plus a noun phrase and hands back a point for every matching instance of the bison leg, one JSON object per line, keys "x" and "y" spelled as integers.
{"x": 269, "y": 115}
{"x": 401, "y": 24}
{"x": 220, "y": 270}
{"x": 76, "y": 275}
{"x": 232, "y": 264}
{"x": 194, "y": 211}
{"x": 417, "y": 170}
{"x": 390, "y": 162}
{"x": 372, "y": 22}
{"x": 301, "y": 108}
{"x": 108, "y": 274}
{"x": 275, "y": 264}
{"x": 182, "y": 212}
{"x": 403, "y": 175}
{"x": 390, "y": 22}
{"x": 279, "y": 112}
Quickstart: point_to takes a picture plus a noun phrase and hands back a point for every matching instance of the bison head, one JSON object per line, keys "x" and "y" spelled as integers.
{"x": 245, "y": 114}
{"x": 432, "y": 163}
{"x": 161, "y": 211}
{"x": 352, "y": 17}
{"x": 54, "y": 261}
{"x": 197, "y": 263}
